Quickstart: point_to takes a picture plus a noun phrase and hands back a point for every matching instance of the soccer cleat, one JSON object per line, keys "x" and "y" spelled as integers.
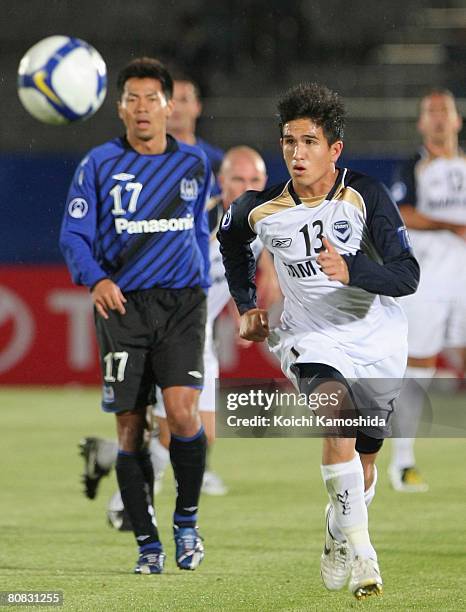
{"x": 92, "y": 470}
{"x": 150, "y": 562}
{"x": 407, "y": 480}
{"x": 189, "y": 548}
{"x": 212, "y": 484}
{"x": 336, "y": 559}
{"x": 365, "y": 579}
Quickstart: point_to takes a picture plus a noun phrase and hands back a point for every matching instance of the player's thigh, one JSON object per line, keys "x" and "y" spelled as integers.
{"x": 124, "y": 346}
{"x": 376, "y": 390}
{"x": 456, "y": 325}
{"x": 427, "y": 324}
{"x": 312, "y": 347}
{"x": 177, "y": 357}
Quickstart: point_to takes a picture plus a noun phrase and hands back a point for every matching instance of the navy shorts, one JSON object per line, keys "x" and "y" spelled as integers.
{"x": 159, "y": 341}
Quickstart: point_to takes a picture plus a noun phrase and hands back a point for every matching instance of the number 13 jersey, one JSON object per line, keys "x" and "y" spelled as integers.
{"x": 360, "y": 220}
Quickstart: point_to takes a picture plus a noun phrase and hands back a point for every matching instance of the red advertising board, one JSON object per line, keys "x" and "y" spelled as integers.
{"x": 47, "y": 333}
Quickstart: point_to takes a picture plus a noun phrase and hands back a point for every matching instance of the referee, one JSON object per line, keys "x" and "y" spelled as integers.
{"x": 135, "y": 232}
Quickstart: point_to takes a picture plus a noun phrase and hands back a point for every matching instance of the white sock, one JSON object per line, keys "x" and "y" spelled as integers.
{"x": 368, "y": 497}
{"x": 408, "y": 415}
{"x": 370, "y": 492}
{"x": 107, "y": 452}
{"x": 159, "y": 456}
{"x": 345, "y": 486}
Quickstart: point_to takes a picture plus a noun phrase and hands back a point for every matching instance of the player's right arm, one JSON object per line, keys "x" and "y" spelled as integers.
{"x": 77, "y": 240}
{"x": 235, "y": 236}
{"x": 404, "y": 193}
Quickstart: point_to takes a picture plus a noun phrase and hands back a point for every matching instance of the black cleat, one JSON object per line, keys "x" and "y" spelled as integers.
{"x": 92, "y": 470}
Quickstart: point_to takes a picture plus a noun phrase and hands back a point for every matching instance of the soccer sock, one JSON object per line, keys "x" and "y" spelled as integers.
{"x": 408, "y": 415}
{"x": 368, "y": 497}
{"x": 188, "y": 457}
{"x": 134, "y": 472}
{"x": 107, "y": 453}
{"x": 370, "y": 492}
{"x": 345, "y": 486}
{"x": 160, "y": 458}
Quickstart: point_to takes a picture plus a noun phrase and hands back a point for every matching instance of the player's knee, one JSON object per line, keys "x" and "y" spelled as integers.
{"x": 324, "y": 385}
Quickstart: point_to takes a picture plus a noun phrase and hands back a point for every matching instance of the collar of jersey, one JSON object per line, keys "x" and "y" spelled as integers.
{"x": 338, "y": 185}
{"x": 172, "y": 146}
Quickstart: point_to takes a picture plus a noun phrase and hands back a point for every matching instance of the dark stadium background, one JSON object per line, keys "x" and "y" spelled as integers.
{"x": 242, "y": 54}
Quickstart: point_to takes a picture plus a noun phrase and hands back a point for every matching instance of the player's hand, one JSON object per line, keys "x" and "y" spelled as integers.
{"x": 254, "y": 325}
{"x": 106, "y": 296}
{"x": 333, "y": 264}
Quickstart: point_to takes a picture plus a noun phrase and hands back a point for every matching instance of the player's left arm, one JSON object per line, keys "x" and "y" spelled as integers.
{"x": 398, "y": 273}
{"x": 201, "y": 224}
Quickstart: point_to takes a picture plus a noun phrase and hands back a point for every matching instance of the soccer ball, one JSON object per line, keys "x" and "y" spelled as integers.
{"x": 61, "y": 80}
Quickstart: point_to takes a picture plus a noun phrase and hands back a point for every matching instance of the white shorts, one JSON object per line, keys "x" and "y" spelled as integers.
{"x": 211, "y": 373}
{"x": 382, "y": 380}
{"x": 436, "y": 313}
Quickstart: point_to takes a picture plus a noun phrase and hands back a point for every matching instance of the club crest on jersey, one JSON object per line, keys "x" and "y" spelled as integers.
{"x": 78, "y": 208}
{"x": 108, "y": 394}
{"x": 226, "y": 221}
{"x": 342, "y": 230}
{"x": 281, "y": 243}
{"x": 189, "y": 189}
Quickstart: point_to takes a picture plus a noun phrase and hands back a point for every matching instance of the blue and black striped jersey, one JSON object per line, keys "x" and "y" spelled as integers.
{"x": 139, "y": 219}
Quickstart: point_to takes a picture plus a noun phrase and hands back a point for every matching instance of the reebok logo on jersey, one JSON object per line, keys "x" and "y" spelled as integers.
{"x": 153, "y": 226}
{"x": 78, "y": 208}
{"x": 342, "y": 230}
{"x": 281, "y": 243}
{"x": 189, "y": 190}
{"x": 123, "y": 176}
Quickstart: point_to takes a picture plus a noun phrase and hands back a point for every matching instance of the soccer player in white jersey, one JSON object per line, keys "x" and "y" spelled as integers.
{"x": 430, "y": 190}
{"x": 342, "y": 255}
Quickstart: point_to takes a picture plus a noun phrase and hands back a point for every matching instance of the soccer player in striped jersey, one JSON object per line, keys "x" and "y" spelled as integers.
{"x": 430, "y": 190}
{"x": 341, "y": 253}
{"x": 135, "y": 232}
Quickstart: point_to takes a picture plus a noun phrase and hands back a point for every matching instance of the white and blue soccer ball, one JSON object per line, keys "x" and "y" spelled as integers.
{"x": 61, "y": 80}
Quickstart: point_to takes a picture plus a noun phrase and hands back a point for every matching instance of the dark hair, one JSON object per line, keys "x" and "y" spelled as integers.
{"x": 184, "y": 78}
{"x": 146, "y": 68}
{"x": 315, "y": 102}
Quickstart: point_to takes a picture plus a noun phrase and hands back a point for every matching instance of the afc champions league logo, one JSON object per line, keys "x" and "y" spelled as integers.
{"x": 189, "y": 189}
{"x": 78, "y": 208}
{"x": 342, "y": 230}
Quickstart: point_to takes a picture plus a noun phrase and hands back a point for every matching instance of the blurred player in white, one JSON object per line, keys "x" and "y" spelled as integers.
{"x": 341, "y": 254}
{"x": 430, "y": 190}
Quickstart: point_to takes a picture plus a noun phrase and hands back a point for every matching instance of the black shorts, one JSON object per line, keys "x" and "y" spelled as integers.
{"x": 159, "y": 341}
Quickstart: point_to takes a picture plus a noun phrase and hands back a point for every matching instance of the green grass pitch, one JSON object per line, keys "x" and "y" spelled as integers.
{"x": 263, "y": 540}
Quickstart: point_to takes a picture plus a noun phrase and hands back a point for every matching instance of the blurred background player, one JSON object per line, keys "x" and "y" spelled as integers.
{"x": 430, "y": 190}
{"x": 182, "y": 123}
{"x": 340, "y": 320}
{"x": 149, "y": 315}
{"x": 242, "y": 169}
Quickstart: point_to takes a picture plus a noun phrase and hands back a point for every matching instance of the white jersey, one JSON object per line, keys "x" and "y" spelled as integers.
{"x": 360, "y": 220}
{"x": 436, "y": 187}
